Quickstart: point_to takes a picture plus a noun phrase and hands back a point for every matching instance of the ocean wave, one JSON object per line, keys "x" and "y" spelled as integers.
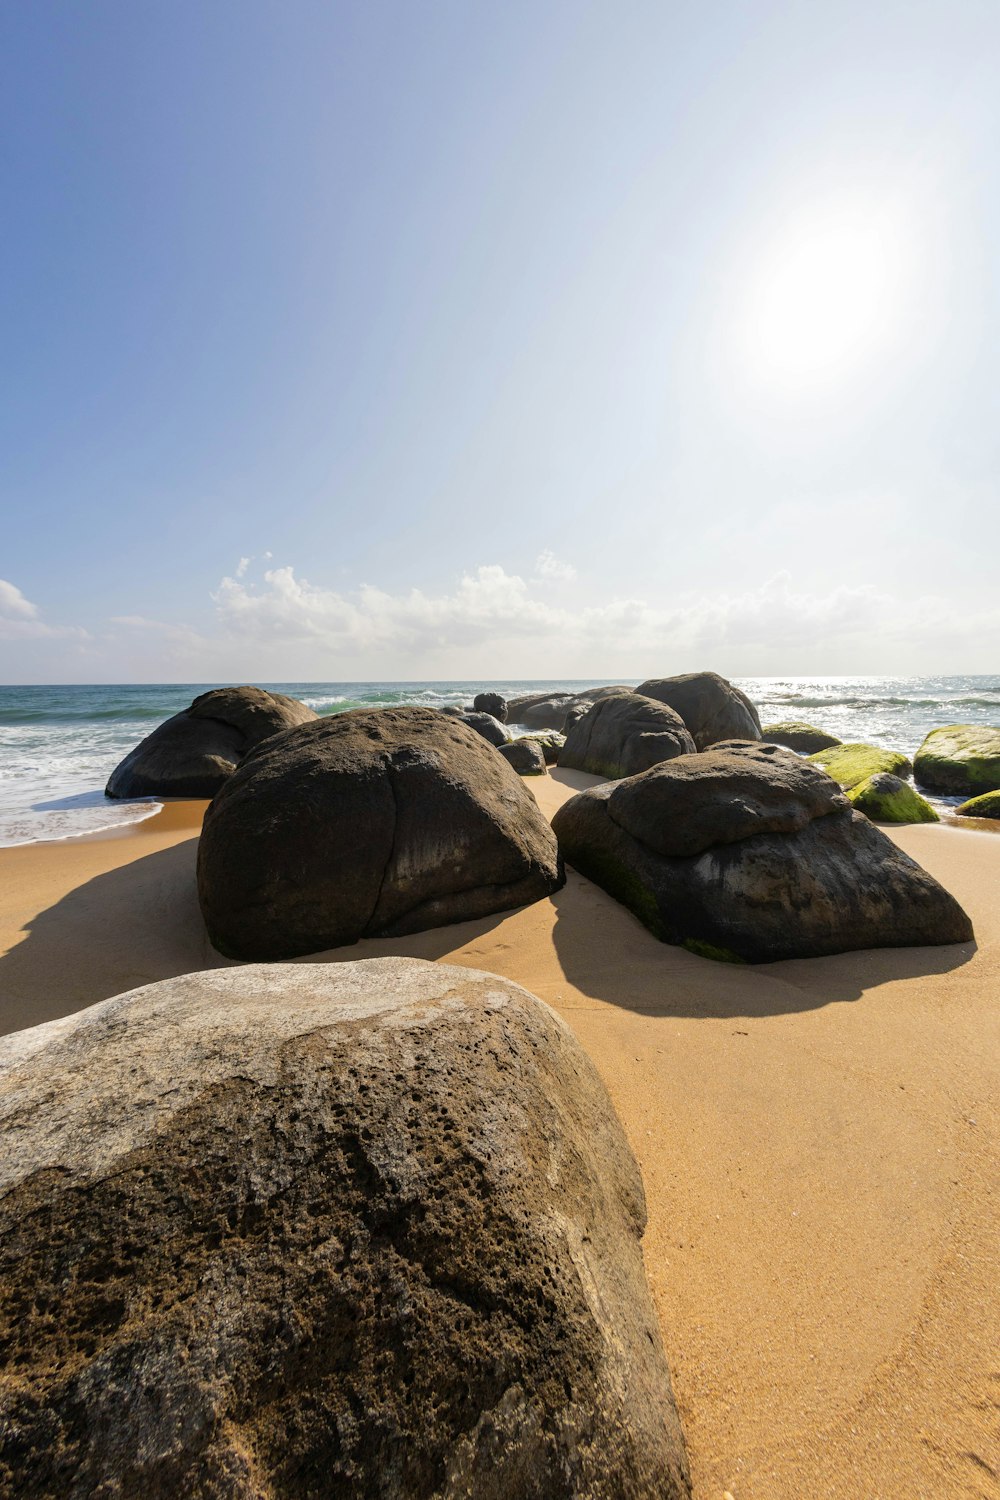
{"x": 802, "y": 700}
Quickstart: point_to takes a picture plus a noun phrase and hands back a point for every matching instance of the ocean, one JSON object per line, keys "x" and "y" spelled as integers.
{"x": 58, "y": 745}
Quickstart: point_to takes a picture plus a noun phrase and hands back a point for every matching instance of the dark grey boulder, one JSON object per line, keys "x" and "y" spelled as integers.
{"x": 192, "y": 754}
{"x": 753, "y": 858}
{"x": 806, "y": 739}
{"x": 551, "y": 743}
{"x": 712, "y": 709}
{"x": 491, "y": 729}
{"x": 306, "y": 1230}
{"x": 526, "y": 756}
{"x": 376, "y": 822}
{"x": 492, "y": 704}
{"x": 622, "y": 734}
{"x": 695, "y": 802}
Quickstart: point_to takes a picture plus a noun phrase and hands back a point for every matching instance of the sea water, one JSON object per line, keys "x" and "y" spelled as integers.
{"x": 58, "y": 745}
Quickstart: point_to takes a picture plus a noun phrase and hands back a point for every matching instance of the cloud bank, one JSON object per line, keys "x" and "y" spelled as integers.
{"x": 279, "y": 626}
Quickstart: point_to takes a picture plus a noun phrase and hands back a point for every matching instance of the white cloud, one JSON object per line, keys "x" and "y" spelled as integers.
{"x": 13, "y": 604}
{"x": 491, "y": 623}
{"x": 242, "y": 566}
{"x": 547, "y": 565}
{"x": 492, "y": 618}
{"x": 21, "y": 620}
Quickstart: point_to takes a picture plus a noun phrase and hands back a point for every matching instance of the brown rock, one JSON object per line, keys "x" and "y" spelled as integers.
{"x": 623, "y": 734}
{"x": 712, "y": 709}
{"x": 363, "y": 1230}
{"x": 720, "y": 864}
{"x": 371, "y": 823}
{"x": 193, "y": 753}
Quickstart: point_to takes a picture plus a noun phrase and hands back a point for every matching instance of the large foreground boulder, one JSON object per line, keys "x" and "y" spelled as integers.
{"x": 712, "y": 709}
{"x": 623, "y": 734}
{"x": 372, "y": 823}
{"x": 368, "y": 1230}
{"x": 193, "y": 753}
{"x": 753, "y": 855}
{"x": 961, "y": 758}
{"x": 793, "y": 734}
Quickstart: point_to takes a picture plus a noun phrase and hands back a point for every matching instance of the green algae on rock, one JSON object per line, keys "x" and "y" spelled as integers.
{"x": 886, "y": 799}
{"x": 985, "y": 806}
{"x": 851, "y": 764}
{"x": 793, "y": 734}
{"x": 960, "y": 758}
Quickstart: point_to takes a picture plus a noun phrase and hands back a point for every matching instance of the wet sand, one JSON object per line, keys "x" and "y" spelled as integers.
{"x": 818, "y": 1139}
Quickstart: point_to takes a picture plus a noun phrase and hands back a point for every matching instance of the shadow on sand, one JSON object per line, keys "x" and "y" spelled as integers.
{"x": 141, "y": 923}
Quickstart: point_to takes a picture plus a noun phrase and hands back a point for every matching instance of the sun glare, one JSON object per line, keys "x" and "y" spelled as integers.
{"x": 828, "y": 297}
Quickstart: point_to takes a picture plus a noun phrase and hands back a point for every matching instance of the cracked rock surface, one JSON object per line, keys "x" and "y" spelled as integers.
{"x": 377, "y": 822}
{"x": 365, "y": 1230}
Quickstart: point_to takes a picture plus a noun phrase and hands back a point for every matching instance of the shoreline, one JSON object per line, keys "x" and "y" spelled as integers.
{"x": 817, "y": 1138}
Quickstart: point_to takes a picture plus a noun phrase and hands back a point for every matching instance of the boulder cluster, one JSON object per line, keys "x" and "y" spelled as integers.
{"x": 372, "y": 1228}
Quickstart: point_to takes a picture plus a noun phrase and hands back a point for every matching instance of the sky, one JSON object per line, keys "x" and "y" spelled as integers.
{"x": 435, "y": 340}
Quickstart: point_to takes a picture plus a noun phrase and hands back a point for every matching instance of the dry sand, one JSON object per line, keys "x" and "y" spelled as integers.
{"x": 818, "y": 1139}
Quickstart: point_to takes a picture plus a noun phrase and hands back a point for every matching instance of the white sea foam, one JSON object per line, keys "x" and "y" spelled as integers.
{"x": 58, "y": 746}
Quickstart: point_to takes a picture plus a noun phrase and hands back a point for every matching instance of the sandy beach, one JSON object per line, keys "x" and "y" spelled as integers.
{"x": 818, "y": 1140}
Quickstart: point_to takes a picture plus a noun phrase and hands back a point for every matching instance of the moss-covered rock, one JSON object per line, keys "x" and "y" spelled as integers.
{"x": 886, "y": 799}
{"x": 960, "y": 758}
{"x": 986, "y": 806}
{"x": 794, "y": 735}
{"x": 851, "y": 764}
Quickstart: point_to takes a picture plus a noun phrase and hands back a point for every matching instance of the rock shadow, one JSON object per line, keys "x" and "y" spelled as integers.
{"x": 607, "y": 954}
{"x": 141, "y": 922}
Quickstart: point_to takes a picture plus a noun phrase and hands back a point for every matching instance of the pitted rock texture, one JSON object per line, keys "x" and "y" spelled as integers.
{"x": 753, "y": 855}
{"x": 192, "y": 754}
{"x": 369, "y": 1230}
{"x": 712, "y": 709}
{"x": 624, "y": 734}
{"x": 376, "y": 822}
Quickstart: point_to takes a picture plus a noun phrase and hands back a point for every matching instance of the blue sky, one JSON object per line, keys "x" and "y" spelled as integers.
{"x": 525, "y": 340}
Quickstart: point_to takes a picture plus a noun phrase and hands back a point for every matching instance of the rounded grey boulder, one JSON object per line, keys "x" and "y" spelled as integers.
{"x": 363, "y": 1229}
{"x": 623, "y": 734}
{"x": 526, "y": 756}
{"x": 492, "y": 704}
{"x": 491, "y": 729}
{"x": 192, "y": 754}
{"x": 712, "y": 709}
{"x": 371, "y": 823}
{"x": 753, "y": 855}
